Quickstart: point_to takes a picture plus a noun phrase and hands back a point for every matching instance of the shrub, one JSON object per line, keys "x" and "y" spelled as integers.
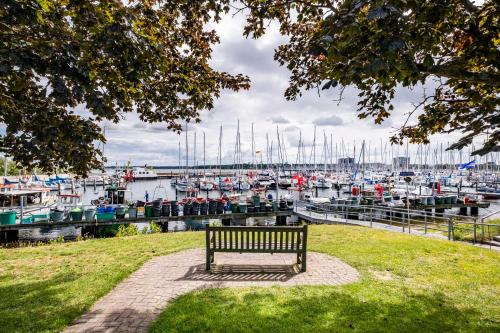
{"x": 154, "y": 228}
{"x": 130, "y": 230}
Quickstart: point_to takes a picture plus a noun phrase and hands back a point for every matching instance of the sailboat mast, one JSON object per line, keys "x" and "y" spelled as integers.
{"x": 195, "y": 165}
{"x": 314, "y": 148}
{"x": 363, "y": 165}
{"x": 267, "y": 150}
{"x": 187, "y": 151}
{"x": 331, "y": 152}
{"x": 325, "y": 149}
{"x": 253, "y": 150}
{"x": 204, "y": 162}
{"x": 220, "y": 151}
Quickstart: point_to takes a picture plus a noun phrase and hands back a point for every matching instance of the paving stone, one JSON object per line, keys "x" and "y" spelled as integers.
{"x": 135, "y": 303}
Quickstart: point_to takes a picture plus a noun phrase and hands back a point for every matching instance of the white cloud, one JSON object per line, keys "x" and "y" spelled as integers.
{"x": 279, "y": 120}
{"x": 263, "y": 105}
{"x": 328, "y": 121}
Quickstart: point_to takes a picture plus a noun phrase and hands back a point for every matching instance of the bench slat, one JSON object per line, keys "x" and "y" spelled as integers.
{"x": 264, "y": 239}
{"x": 257, "y": 240}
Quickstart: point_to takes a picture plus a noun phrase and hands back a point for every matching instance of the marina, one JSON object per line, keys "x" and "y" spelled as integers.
{"x": 177, "y": 206}
{"x": 249, "y": 166}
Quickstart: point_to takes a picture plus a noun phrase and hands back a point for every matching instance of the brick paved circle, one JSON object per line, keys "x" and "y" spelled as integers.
{"x": 135, "y": 303}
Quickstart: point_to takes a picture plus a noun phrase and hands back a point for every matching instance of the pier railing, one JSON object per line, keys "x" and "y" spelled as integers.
{"x": 443, "y": 225}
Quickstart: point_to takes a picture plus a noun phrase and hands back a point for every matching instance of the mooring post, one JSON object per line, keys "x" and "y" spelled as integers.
{"x": 482, "y": 230}
{"x": 475, "y": 225}
{"x": 371, "y": 217}
{"x": 403, "y": 221}
{"x": 450, "y": 227}
{"x": 22, "y": 206}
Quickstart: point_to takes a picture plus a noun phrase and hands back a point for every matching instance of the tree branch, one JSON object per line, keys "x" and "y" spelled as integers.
{"x": 451, "y": 72}
{"x": 470, "y": 6}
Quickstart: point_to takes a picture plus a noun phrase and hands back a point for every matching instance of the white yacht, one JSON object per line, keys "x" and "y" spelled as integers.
{"x": 206, "y": 185}
{"x": 144, "y": 173}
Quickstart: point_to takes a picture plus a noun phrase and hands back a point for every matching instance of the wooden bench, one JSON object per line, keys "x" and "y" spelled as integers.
{"x": 257, "y": 240}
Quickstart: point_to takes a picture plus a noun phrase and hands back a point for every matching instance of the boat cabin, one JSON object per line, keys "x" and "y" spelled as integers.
{"x": 117, "y": 195}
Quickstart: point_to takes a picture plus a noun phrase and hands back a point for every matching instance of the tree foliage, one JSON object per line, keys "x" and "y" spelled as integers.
{"x": 107, "y": 58}
{"x": 378, "y": 45}
{"x": 68, "y": 65}
{"x": 12, "y": 169}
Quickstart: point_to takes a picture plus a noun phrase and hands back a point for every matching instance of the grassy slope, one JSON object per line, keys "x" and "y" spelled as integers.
{"x": 42, "y": 289}
{"x": 409, "y": 284}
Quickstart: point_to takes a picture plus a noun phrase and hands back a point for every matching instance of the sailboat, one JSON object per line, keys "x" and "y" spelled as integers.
{"x": 226, "y": 184}
{"x": 206, "y": 185}
{"x": 322, "y": 182}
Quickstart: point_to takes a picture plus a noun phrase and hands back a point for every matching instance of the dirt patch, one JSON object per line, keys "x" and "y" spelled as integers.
{"x": 382, "y": 275}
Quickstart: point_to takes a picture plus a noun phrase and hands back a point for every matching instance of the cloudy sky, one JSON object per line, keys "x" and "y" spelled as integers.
{"x": 263, "y": 105}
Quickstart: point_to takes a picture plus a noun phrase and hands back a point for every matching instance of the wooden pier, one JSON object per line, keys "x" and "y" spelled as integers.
{"x": 162, "y": 220}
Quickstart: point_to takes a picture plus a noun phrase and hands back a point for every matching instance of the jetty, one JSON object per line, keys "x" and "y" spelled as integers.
{"x": 425, "y": 219}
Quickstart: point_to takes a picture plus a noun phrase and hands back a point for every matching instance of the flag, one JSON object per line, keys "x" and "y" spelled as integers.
{"x": 469, "y": 165}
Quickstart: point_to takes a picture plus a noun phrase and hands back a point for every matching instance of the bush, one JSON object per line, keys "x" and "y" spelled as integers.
{"x": 154, "y": 228}
{"x": 129, "y": 230}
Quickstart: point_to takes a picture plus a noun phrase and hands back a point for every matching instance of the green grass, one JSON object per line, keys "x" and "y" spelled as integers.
{"x": 408, "y": 284}
{"x": 465, "y": 232}
{"x": 43, "y": 289}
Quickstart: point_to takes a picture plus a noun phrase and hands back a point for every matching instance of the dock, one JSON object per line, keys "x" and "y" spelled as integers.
{"x": 419, "y": 222}
{"x": 43, "y": 231}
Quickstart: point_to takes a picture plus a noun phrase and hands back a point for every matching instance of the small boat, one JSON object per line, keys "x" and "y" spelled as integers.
{"x": 244, "y": 185}
{"x": 489, "y": 193}
{"x": 182, "y": 187}
{"x": 206, "y": 185}
{"x": 226, "y": 184}
{"x": 285, "y": 183}
{"x": 323, "y": 183}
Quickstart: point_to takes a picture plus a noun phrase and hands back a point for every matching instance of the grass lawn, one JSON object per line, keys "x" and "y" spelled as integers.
{"x": 408, "y": 283}
{"x": 43, "y": 289}
{"x": 465, "y": 232}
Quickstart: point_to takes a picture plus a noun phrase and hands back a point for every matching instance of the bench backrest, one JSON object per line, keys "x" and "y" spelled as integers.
{"x": 257, "y": 239}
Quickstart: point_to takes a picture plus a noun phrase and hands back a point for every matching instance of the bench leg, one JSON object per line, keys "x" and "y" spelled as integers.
{"x": 209, "y": 261}
{"x": 303, "y": 262}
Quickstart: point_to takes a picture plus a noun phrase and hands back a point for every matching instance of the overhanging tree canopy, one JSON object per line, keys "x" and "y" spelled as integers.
{"x": 378, "y": 45}
{"x": 113, "y": 57}
{"x": 110, "y": 58}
